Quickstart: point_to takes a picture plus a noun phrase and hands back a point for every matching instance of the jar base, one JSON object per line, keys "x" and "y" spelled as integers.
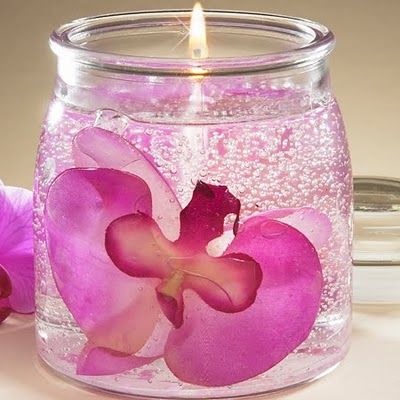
{"x": 94, "y": 384}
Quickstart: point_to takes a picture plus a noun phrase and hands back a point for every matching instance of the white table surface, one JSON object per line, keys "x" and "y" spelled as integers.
{"x": 371, "y": 370}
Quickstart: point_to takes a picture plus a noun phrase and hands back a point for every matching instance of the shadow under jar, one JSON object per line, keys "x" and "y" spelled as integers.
{"x": 193, "y": 217}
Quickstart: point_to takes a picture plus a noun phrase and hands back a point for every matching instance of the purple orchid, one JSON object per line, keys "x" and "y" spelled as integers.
{"x": 143, "y": 288}
{"x": 16, "y": 251}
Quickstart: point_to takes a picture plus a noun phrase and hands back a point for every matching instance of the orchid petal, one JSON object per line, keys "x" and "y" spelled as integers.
{"x": 216, "y": 349}
{"x": 202, "y": 220}
{"x": 97, "y": 147}
{"x": 314, "y": 224}
{"x": 113, "y": 310}
{"x": 16, "y": 221}
{"x": 97, "y": 361}
{"x": 227, "y": 283}
{"x": 16, "y": 246}
{"x": 137, "y": 246}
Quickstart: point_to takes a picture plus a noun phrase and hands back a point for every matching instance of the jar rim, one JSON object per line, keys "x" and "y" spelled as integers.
{"x": 67, "y": 42}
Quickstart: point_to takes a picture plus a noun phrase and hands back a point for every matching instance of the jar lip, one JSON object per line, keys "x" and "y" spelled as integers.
{"x": 318, "y": 43}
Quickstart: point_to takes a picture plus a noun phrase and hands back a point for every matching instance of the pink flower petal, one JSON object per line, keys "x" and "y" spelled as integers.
{"x": 97, "y": 361}
{"x": 227, "y": 283}
{"x": 97, "y": 147}
{"x": 16, "y": 246}
{"x": 202, "y": 220}
{"x": 113, "y": 310}
{"x": 16, "y": 221}
{"x": 314, "y": 224}
{"x": 137, "y": 246}
{"x": 216, "y": 349}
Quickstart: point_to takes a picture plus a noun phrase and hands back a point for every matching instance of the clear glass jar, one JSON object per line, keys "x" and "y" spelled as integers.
{"x": 193, "y": 216}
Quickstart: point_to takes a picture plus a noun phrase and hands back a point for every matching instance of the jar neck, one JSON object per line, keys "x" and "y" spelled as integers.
{"x": 194, "y": 99}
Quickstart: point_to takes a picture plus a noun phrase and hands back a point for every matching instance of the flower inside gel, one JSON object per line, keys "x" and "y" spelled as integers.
{"x": 142, "y": 290}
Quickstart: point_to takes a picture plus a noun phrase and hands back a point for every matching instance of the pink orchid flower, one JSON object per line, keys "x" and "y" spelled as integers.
{"x": 16, "y": 251}
{"x": 143, "y": 289}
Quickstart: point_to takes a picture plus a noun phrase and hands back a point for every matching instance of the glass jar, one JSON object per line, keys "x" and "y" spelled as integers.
{"x": 193, "y": 216}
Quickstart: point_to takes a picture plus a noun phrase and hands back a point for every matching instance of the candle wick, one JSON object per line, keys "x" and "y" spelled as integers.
{"x": 197, "y": 53}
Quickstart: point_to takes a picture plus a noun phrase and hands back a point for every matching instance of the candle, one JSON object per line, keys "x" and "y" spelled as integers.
{"x": 193, "y": 205}
{"x": 198, "y": 49}
{"x": 195, "y": 135}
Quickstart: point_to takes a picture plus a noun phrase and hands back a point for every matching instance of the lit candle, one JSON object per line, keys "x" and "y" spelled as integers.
{"x": 197, "y": 35}
{"x": 198, "y": 49}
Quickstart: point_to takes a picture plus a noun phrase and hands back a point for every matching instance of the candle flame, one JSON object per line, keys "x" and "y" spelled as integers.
{"x": 197, "y": 36}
